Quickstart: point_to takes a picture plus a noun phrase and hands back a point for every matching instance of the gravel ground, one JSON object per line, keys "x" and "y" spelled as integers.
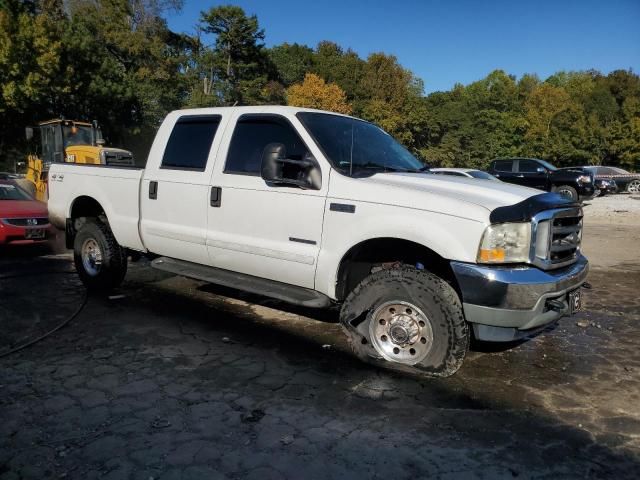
{"x": 177, "y": 379}
{"x": 622, "y": 209}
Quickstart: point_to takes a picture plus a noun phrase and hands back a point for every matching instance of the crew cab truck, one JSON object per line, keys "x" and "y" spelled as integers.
{"x": 320, "y": 209}
{"x": 574, "y": 183}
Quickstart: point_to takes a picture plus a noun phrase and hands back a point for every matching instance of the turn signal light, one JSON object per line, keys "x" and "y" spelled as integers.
{"x": 492, "y": 255}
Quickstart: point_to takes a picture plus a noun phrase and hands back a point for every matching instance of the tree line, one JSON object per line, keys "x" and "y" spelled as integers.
{"x": 117, "y": 61}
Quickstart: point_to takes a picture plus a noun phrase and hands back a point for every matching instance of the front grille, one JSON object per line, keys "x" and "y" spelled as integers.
{"x": 565, "y": 239}
{"x": 564, "y": 227}
{"x": 118, "y": 159}
{"x": 26, "y": 222}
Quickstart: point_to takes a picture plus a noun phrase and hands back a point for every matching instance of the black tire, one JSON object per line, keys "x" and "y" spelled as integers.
{"x": 113, "y": 265}
{"x": 435, "y": 297}
{"x": 568, "y": 192}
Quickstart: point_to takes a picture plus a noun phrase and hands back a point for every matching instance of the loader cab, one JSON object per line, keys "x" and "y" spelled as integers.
{"x": 67, "y": 141}
{"x": 57, "y": 136}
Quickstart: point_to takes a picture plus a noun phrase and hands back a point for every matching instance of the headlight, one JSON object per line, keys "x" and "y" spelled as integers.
{"x": 584, "y": 179}
{"x": 505, "y": 243}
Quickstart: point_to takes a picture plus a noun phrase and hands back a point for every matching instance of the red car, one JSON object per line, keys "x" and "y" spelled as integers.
{"x": 23, "y": 220}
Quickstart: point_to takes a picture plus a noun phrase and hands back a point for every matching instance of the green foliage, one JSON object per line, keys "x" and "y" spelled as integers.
{"x": 238, "y": 62}
{"x": 292, "y": 62}
{"x": 116, "y": 61}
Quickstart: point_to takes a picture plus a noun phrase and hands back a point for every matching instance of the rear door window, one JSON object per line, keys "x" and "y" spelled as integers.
{"x": 190, "y": 142}
{"x": 503, "y": 165}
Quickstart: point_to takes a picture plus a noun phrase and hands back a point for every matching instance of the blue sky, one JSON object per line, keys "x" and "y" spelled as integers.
{"x": 457, "y": 41}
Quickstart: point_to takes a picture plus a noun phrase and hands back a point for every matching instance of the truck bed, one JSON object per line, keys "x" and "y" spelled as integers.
{"x": 116, "y": 189}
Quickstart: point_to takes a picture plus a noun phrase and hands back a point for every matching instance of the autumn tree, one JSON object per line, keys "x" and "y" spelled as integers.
{"x": 314, "y": 92}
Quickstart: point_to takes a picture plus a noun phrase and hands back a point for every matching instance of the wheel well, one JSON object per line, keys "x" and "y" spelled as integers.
{"x": 86, "y": 207}
{"x": 82, "y": 208}
{"x": 361, "y": 259}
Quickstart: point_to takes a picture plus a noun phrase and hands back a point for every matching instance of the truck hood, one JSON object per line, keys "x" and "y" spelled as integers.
{"x": 463, "y": 197}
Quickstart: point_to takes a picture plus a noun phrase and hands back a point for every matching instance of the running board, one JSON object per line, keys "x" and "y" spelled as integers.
{"x": 248, "y": 283}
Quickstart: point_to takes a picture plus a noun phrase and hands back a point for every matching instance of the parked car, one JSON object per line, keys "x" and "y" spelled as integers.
{"x": 575, "y": 184}
{"x": 625, "y": 181}
{"x": 603, "y": 186}
{"x": 464, "y": 172}
{"x": 8, "y": 176}
{"x": 23, "y": 220}
{"x": 320, "y": 209}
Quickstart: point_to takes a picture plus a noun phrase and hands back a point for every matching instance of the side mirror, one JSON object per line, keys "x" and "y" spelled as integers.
{"x": 541, "y": 170}
{"x": 28, "y": 133}
{"x": 277, "y": 169}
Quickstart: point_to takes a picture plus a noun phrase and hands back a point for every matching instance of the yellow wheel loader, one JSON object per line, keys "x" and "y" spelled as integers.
{"x": 67, "y": 141}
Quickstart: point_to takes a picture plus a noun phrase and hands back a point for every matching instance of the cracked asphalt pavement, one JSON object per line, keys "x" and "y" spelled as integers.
{"x": 170, "y": 378}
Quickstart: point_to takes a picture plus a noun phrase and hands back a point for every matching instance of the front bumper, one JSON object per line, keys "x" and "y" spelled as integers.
{"x": 505, "y": 303}
{"x": 16, "y": 235}
{"x": 587, "y": 192}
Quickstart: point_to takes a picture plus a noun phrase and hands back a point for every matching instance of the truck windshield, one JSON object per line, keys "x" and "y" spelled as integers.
{"x": 482, "y": 175}
{"x": 355, "y": 147}
{"x": 547, "y": 165}
{"x": 77, "y": 135}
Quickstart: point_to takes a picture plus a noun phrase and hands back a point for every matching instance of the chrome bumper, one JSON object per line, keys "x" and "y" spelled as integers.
{"x": 517, "y": 297}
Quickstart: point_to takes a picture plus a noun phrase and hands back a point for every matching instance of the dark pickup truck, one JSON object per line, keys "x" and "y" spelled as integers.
{"x": 535, "y": 173}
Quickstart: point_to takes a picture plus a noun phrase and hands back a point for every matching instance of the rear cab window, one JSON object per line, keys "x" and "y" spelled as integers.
{"x": 190, "y": 142}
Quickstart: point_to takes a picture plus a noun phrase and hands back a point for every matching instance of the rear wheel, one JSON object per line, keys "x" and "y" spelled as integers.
{"x": 634, "y": 186}
{"x": 407, "y": 320}
{"x": 568, "y": 192}
{"x": 100, "y": 262}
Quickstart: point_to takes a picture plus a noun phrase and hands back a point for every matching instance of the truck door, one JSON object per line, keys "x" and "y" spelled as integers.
{"x": 531, "y": 174}
{"x": 503, "y": 169}
{"x": 270, "y": 231}
{"x": 175, "y": 188}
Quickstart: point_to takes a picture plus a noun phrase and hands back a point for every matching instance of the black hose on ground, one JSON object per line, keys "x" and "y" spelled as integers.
{"x": 53, "y": 330}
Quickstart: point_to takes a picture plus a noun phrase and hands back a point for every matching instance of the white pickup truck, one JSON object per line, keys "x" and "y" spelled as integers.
{"x": 319, "y": 209}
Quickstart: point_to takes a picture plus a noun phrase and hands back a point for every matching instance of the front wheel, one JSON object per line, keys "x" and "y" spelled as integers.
{"x": 408, "y": 320}
{"x": 568, "y": 192}
{"x": 634, "y": 186}
{"x": 100, "y": 262}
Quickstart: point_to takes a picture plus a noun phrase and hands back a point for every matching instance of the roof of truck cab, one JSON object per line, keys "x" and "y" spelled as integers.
{"x": 277, "y": 109}
{"x": 61, "y": 120}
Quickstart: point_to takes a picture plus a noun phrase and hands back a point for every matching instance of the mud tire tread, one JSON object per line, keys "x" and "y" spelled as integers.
{"x": 429, "y": 292}
{"x": 114, "y": 257}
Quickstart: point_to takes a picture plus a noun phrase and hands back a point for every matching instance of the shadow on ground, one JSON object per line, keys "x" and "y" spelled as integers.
{"x": 177, "y": 379}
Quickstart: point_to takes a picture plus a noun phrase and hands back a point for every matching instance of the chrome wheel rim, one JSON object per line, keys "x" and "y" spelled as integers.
{"x": 566, "y": 193}
{"x": 91, "y": 257}
{"x": 400, "y": 332}
{"x": 634, "y": 187}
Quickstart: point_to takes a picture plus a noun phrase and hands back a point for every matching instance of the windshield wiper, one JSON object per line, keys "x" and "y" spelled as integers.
{"x": 418, "y": 170}
{"x": 386, "y": 168}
